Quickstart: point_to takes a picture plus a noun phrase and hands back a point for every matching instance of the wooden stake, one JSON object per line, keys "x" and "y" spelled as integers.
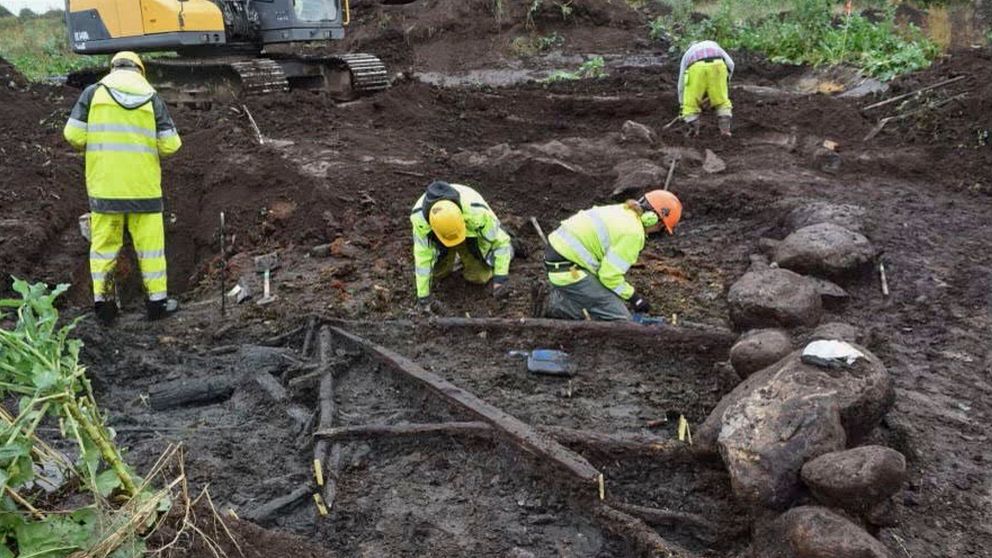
{"x": 645, "y": 540}
{"x": 258, "y": 133}
{"x": 885, "y": 282}
{"x": 537, "y": 227}
{"x": 521, "y": 434}
{"x": 911, "y": 93}
{"x": 671, "y": 173}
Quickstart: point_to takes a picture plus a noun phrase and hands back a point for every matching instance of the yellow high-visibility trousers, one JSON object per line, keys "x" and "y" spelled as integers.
{"x": 107, "y": 238}
{"x": 474, "y": 270}
{"x": 706, "y": 80}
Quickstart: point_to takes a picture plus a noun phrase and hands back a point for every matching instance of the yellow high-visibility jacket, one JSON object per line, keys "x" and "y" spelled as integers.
{"x": 604, "y": 241}
{"x": 481, "y": 226}
{"x": 124, "y": 127}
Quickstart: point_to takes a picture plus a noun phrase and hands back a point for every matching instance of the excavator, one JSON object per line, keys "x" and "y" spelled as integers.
{"x": 226, "y": 47}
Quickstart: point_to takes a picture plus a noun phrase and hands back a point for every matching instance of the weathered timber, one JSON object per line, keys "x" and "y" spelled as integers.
{"x": 702, "y": 527}
{"x": 331, "y": 475}
{"x": 280, "y": 340}
{"x": 613, "y": 444}
{"x": 191, "y": 391}
{"x": 645, "y": 540}
{"x": 271, "y": 386}
{"x": 308, "y": 338}
{"x": 891, "y": 100}
{"x": 687, "y": 338}
{"x": 271, "y": 510}
{"x": 367, "y": 431}
{"x": 517, "y": 431}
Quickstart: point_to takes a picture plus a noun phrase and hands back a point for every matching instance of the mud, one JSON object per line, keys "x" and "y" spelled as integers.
{"x": 351, "y": 172}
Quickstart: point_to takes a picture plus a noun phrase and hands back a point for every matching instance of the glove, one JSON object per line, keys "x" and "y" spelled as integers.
{"x": 500, "y": 288}
{"x": 639, "y": 305}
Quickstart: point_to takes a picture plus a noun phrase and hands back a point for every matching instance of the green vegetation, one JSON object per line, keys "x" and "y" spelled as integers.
{"x": 564, "y": 7}
{"x": 536, "y": 44}
{"x": 594, "y": 68}
{"x": 40, "y": 369}
{"x": 38, "y": 46}
{"x": 802, "y": 32}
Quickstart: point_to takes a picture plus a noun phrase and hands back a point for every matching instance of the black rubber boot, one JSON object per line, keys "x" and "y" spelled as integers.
{"x": 159, "y": 309}
{"x": 106, "y": 312}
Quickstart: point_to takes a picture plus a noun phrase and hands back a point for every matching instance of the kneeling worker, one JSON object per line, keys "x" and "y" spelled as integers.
{"x": 589, "y": 254}
{"x": 453, "y": 221}
{"x": 704, "y": 77}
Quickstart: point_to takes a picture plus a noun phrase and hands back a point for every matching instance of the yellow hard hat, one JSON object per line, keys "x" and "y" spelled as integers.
{"x": 127, "y": 59}
{"x": 447, "y": 223}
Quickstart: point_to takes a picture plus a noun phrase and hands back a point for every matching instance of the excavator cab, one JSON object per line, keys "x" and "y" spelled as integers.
{"x": 220, "y": 43}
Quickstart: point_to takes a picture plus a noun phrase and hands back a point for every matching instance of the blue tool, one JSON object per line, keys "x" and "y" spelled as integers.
{"x": 547, "y": 362}
{"x": 644, "y": 319}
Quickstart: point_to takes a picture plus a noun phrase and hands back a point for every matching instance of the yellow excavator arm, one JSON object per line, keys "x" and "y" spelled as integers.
{"x": 103, "y": 26}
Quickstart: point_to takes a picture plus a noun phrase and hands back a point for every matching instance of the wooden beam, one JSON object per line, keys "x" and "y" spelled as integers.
{"x": 911, "y": 93}
{"x": 366, "y": 431}
{"x": 518, "y": 432}
{"x": 646, "y": 541}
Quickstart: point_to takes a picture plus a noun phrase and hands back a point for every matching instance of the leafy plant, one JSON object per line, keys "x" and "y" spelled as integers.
{"x": 802, "y": 32}
{"x": 39, "y": 366}
{"x": 594, "y": 68}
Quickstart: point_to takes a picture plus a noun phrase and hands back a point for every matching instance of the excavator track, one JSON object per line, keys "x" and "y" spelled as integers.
{"x": 199, "y": 81}
{"x": 368, "y": 73}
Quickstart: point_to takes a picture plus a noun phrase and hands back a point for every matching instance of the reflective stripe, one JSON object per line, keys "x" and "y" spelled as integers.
{"x": 618, "y": 262}
{"x": 574, "y": 244}
{"x": 122, "y": 128}
{"x": 111, "y": 205}
{"x": 155, "y": 297}
{"x": 503, "y": 250}
{"x": 99, "y": 298}
{"x": 98, "y": 275}
{"x": 601, "y": 230}
{"x": 164, "y": 134}
{"x": 145, "y": 254}
{"x": 619, "y": 290}
{"x": 489, "y": 234}
{"x": 424, "y": 271}
{"x": 121, "y": 148}
{"x": 103, "y": 255}
{"x": 75, "y": 123}
{"x": 422, "y": 241}
{"x": 153, "y": 275}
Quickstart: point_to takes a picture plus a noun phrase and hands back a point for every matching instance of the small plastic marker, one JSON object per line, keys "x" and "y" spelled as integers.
{"x": 321, "y": 508}
{"x": 685, "y": 434}
{"x": 602, "y": 487}
{"x": 318, "y": 472}
{"x": 232, "y": 513}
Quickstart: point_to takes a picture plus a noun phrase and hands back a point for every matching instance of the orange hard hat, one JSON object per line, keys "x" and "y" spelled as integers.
{"x": 666, "y": 205}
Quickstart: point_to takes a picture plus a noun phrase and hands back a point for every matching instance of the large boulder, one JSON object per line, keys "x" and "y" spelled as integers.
{"x": 774, "y": 298}
{"x": 815, "y": 532}
{"x": 637, "y": 133}
{"x": 838, "y": 331}
{"x": 826, "y": 250}
{"x": 851, "y": 217}
{"x": 637, "y": 176}
{"x": 765, "y": 441}
{"x": 768, "y": 426}
{"x": 758, "y": 349}
{"x": 856, "y": 479}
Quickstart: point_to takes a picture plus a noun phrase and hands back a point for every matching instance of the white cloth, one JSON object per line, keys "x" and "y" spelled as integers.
{"x": 831, "y": 351}
{"x": 701, "y": 51}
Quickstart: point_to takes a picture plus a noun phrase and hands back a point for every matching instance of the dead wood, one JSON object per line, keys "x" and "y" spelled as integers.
{"x": 518, "y": 432}
{"x": 366, "y": 431}
{"x": 645, "y": 540}
{"x": 308, "y": 338}
{"x": 271, "y": 386}
{"x": 271, "y": 510}
{"x": 191, "y": 391}
{"x": 280, "y": 340}
{"x": 911, "y": 93}
{"x": 699, "y": 525}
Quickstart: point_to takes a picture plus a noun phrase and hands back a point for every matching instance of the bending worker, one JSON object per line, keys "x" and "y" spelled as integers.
{"x": 124, "y": 128}
{"x": 450, "y": 222}
{"x": 589, "y": 254}
{"x": 704, "y": 78}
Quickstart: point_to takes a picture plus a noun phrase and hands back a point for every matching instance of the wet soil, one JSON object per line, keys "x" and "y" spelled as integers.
{"x": 349, "y": 173}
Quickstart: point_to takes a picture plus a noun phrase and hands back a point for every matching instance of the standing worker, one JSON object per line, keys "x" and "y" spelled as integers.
{"x": 124, "y": 127}
{"x": 589, "y": 254}
{"x": 453, "y": 221}
{"x": 704, "y": 77}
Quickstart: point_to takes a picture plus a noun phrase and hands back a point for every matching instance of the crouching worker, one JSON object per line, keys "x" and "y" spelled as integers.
{"x": 589, "y": 254}
{"x": 453, "y": 223}
{"x": 704, "y": 79}
{"x": 124, "y": 128}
